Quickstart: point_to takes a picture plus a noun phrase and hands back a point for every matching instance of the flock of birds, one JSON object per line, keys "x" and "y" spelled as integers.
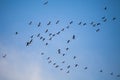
{"x": 73, "y": 37}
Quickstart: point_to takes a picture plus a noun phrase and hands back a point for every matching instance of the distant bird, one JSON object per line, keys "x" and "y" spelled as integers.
{"x": 57, "y": 22}
{"x": 61, "y": 69}
{"x": 71, "y": 22}
{"x": 45, "y": 3}
{"x": 84, "y": 24}
{"x": 92, "y": 23}
{"x": 104, "y": 20}
{"x": 118, "y": 75}
{"x": 48, "y": 58}
{"x": 85, "y": 68}
{"x": 4, "y": 56}
{"x": 111, "y": 73}
{"x": 67, "y": 49}
{"x": 46, "y": 44}
{"x": 63, "y": 61}
{"x": 63, "y": 54}
{"x": 67, "y": 27}
{"x": 38, "y": 35}
{"x": 49, "y": 61}
{"x": 56, "y": 66}
{"x": 50, "y": 38}
{"x": 31, "y": 36}
{"x": 27, "y": 44}
{"x": 76, "y": 65}
{"x": 114, "y": 18}
{"x": 39, "y": 24}
{"x": 50, "y": 34}
{"x": 68, "y": 41}
{"x": 105, "y": 8}
{"x": 97, "y": 30}
{"x": 62, "y": 29}
{"x": 54, "y": 63}
{"x": 43, "y": 39}
{"x": 68, "y": 72}
{"x": 42, "y": 53}
{"x": 79, "y": 23}
{"x": 46, "y": 31}
{"x": 74, "y": 57}
{"x": 31, "y": 41}
{"x": 68, "y": 66}
{"x": 103, "y": 17}
{"x": 101, "y": 70}
{"x": 49, "y": 23}
{"x": 59, "y": 51}
{"x": 16, "y": 33}
{"x": 73, "y": 37}
{"x": 58, "y": 33}
{"x": 98, "y": 24}
{"x": 30, "y": 22}
{"x": 53, "y": 35}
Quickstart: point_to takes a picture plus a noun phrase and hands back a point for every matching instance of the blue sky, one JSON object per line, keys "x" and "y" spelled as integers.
{"x": 96, "y": 50}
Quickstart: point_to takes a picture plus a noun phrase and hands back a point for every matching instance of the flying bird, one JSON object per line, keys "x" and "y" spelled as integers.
{"x": 4, "y": 56}
{"x": 79, "y": 23}
{"x": 68, "y": 66}
{"x": 68, "y": 72}
{"x": 105, "y": 8}
{"x": 46, "y": 31}
{"x": 85, "y": 68}
{"x": 38, "y": 35}
{"x": 118, "y": 75}
{"x": 45, "y": 3}
{"x": 71, "y": 22}
{"x": 67, "y": 49}
{"x": 46, "y": 44}
{"x": 63, "y": 54}
{"x": 114, "y": 18}
{"x": 49, "y": 23}
{"x": 56, "y": 66}
{"x": 67, "y": 27}
{"x": 63, "y": 61}
{"x": 57, "y": 22}
{"x": 59, "y": 51}
{"x": 76, "y": 65}
{"x": 111, "y": 73}
{"x": 30, "y": 22}
{"x": 73, "y": 37}
{"x": 42, "y": 53}
{"x": 39, "y": 24}
{"x": 16, "y": 33}
{"x": 101, "y": 70}
{"x": 54, "y": 63}
{"x": 74, "y": 57}
{"x": 68, "y": 41}
{"x": 84, "y": 24}
{"x": 97, "y": 30}
{"x": 49, "y": 61}
{"x": 62, "y": 29}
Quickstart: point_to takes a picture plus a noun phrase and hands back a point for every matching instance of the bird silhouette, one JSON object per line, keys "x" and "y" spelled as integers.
{"x": 42, "y": 53}
{"x": 30, "y": 22}
{"x": 56, "y": 66}
{"x": 45, "y": 3}
{"x": 68, "y": 41}
{"x": 118, "y": 75}
{"x": 54, "y": 63}
{"x": 46, "y": 44}
{"x": 4, "y": 56}
{"x": 49, "y": 61}
{"x": 46, "y": 31}
{"x": 59, "y": 51}
{"x": 84, "y": 24}
{"x": 68, "y": 66}
{"x": 16, "y": 33}
{"x": 62, "y": 29}
{"x": 85, "y": 68}
{"x": 68, "y": 72}
{"x": 67, "y": 27}
{"x": 63, "y": 61}
{"x": 105, "y": 8}
{"x": 79, "y": 23}
{"x": 39, "y": 24}
{"x": 76, "y": 65}
{"x": 63, "y": 54}
{"x": 71, "y": 22}
{"x": 73, "y": 37}
{"x": 57, "y": 21}
{"x": 114, "y": 18}
{"x": 97, "y": 30}
{"x": 49, "y": 23}
{"x": 67, "y": 49}
{"x": 74, "y": 57}
{"x": 101, "y": 70}
{"x": 111, "y": 73}
{"x": 38, "y": 35}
